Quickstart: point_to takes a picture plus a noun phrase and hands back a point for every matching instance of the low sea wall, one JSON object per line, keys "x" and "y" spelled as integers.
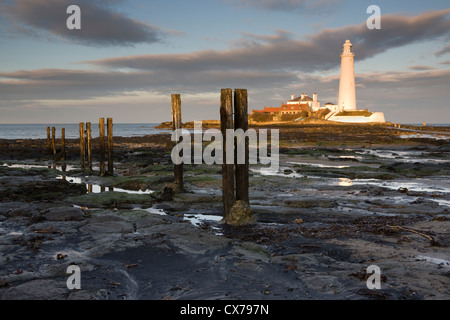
{"x": 376, "y": 117}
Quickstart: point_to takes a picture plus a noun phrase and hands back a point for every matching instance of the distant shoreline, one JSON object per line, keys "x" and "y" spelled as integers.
{"x": 290, "y": 124}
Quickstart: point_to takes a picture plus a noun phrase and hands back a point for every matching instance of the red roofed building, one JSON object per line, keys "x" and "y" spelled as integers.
{"x": 269, "y": 110}
{"x": 303, "y": 106}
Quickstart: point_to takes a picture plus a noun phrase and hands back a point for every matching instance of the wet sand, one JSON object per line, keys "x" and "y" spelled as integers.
{"x": 346, "y": 197}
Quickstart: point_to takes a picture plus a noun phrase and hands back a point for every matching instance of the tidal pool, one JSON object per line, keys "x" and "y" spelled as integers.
{"x": 196, "y": 219}
{"x": 96, "y": 188}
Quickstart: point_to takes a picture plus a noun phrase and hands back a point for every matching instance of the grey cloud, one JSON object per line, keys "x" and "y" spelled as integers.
{"x": 54, "y": 84}
{"x": 296, "y": 6}
{"x": 419, "y": 79}
{"x": 421, "y": 68}
{"x": 377, "y": 91}
{"x": 443, "y": 51}
{"x": 396, "y": 31}
{"x": 100, "y": 24}
{"x": 317, "y": 52}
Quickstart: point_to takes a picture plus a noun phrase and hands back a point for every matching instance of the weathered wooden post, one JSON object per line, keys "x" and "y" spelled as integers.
{"x": 89, "y": 145}
{"x": 63, "y": 144}
{"x": 226, "y": 122}
{"x": 101, "y": 127}
{"x": 82, "y": 147}
{"x": 241, "y": 122}
{"x": 54, "y": 140}
{"x": 49, "y": 141}
{"x": 110, "y": 147}
{"x": 176, "y": 125}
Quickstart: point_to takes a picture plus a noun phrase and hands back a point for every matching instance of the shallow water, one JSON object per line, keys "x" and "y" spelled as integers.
{"x": 199, "y": 218}
{"x": 60, "y": 167}
{"x": 438, "y": 261}
{"x": 96, "y": 188}
{"x": 434, "y": 185}
{"x": 403, "y": 156}
{"x": 437, "y": 186}
{"x": 195, "y": 219}
{"x": 153, "y": 211}
{"x": 91, "y": 188}
{"x": 320, "y": 165}
{"x": 436, "y": 136}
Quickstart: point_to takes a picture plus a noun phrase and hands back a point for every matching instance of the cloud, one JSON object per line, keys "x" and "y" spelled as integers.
{"x": 54, "y": 84}
{"x": 421, "y": 68}
{"x": 100, "y": 24}
{"x": 296, "y": 6}
{"x": 257, "y": 62}
{"x": 443, "y": 51}
{"x": 317, "y": 52}
{"x": 403, "y": 79}
{"x": 59, "y": 84}
{"x": 94, "y": 93}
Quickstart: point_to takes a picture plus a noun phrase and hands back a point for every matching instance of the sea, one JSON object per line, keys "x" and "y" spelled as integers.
{"x": 39, "y": 131}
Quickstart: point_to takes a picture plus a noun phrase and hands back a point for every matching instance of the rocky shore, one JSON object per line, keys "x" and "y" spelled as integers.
{"x": 346, "y": 197}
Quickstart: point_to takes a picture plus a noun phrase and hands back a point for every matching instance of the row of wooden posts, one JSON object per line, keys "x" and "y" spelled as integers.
{"x": 51, "y": 142}
{"x": 86, "y": 145}
{"x": 235, "y": 177}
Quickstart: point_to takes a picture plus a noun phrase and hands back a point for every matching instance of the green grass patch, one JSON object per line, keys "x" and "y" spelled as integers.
{"x": 357, "y": 113}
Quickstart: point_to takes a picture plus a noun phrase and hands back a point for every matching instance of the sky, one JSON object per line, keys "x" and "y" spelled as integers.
{"x": 130, "y": 55}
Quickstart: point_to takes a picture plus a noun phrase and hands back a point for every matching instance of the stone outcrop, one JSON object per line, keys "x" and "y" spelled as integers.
{"x": 241, "y": 215}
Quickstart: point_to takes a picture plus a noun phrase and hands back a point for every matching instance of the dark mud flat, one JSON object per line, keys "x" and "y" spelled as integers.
{"x": 335, "y": 207}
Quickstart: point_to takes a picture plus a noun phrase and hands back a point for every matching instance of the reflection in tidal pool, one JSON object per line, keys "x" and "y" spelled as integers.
{"x": 96, "y": 188}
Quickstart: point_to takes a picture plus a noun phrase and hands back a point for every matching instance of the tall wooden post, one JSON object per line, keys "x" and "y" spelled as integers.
{"x": 101, "y": 127}
{"x": 82, "y": 147}
{"x": 177, "y": 124}
{"x": 226, "y": 122}
{"x": 63, "y": 144}
{"x": 54, "y": 140}
{"x": 89, "y": 145}
{"x": 241, "y": 122}
{"x": 49, "y": 142}
{"x": 110, "y": 147}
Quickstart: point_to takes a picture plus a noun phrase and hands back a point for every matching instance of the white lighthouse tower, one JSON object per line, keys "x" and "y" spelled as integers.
{"x": 347, "y": 93}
